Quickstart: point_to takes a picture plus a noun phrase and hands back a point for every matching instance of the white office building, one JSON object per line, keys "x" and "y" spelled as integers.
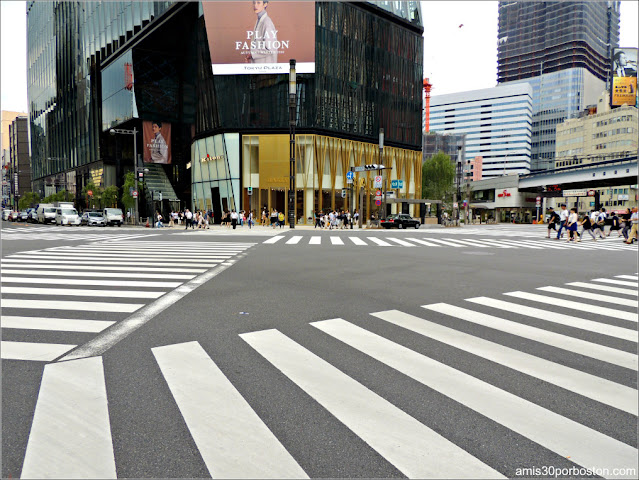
{"x": 497, "y": 123}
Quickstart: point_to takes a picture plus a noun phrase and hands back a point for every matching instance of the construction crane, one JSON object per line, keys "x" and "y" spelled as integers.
{"x": 427, "y": 88}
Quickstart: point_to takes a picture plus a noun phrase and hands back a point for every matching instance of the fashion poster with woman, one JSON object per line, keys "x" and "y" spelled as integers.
{"x": 157, "y": 142}
{"x": 257, "y": 37}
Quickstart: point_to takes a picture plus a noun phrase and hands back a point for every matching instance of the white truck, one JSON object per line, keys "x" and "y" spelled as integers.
{"x": 46, "y": 213}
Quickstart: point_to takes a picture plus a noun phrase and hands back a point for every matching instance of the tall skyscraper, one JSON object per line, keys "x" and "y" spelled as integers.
{"x": 563, "y": 50}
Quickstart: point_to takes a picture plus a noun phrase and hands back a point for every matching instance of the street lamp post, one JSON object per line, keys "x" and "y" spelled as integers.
{"x": 133, "y": 132}
{"x": 381, "y": 162}
{"x": 292, "y": 108}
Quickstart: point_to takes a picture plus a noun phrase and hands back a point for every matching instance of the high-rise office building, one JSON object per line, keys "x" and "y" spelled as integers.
{"x": 563, "y": 50}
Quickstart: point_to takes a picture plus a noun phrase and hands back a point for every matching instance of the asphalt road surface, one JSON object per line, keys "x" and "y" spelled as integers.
{"x": 473, "y": 352}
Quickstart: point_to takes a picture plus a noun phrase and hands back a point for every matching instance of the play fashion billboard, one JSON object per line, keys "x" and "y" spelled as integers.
{"x": 157, "y": 142}
{"x": 624, "y": 77}
{"x": 260, "y": 37}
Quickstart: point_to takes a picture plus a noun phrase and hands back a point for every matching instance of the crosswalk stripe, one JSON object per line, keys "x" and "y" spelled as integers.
{"x": 232, "y": 439}
{"x": 605, "y": 288}
{"x": 24, "y": 271}
{"x": 465, "y": 242}
{"x": 413, "y": 448}
{"x": 560, "y": 302}
{"x": 591, "y": 296}
{"x": 444, "y": 242}
{"x": 55, "y": 324}
{"x": 294, "y": 240}
{"x": 627, "y": 277}
{"x": 616, "y": 282}
{"x": 557, "y": 340}
{"x": 71, "y": 434}
{"x": 71, "y": 305}
{"x": 543, "y": 244}
{"x": 77, "y": 261}
{"x": 560, "y": 318}
{"x": 315, "y": 240}
{"x": 567, "y": 438}
{"x": 108, "y": 268}
{"x": 154, "y": 250}
{"x": 357, "y": 241}
{"x": 403, "y": 243}
{"x": 336, "y": 241}
{"x": 136, "y": 256}
{"x": 35, "y": 352}
{"x": 274, "y": 239}
{"x": 599, "y": 389}
{"x": 423, "y": 242}
{"x": 88, "y": 281}
{"x": 379, "y": 242}
{"x": 505, "y": 243}
{"x": 81, "y": 292}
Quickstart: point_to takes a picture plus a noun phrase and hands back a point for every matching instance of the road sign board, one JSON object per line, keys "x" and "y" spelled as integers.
{"x": 538, "y": 199}
{"x": 378, "y": 181}
{"x": 90, "y": 193}
{"x": 378, "y": 193}
{"x": 574, "y": 193}
{"x": 397, "y": 183}
{"x": 378, "y": 201}
{"x": 349, "y": 180}
{"x": 455, "y": 205}
{"x": 350, "y": 176}
{"x": 134, "y": 194}
{"x": 591, "y": 193}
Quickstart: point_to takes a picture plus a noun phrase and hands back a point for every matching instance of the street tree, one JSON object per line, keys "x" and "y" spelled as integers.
{"x": 110, "y": 196}
{"x": 29, "y": 199}
{"x": 438, "y": 177}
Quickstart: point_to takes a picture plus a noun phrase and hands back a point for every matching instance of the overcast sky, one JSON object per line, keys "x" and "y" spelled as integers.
{"x": 456, "y": 58}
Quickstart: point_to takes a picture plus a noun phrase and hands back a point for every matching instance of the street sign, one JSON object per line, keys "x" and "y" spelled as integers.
{"x": 378, "y": 193}
{"x": 378, "y": 182}
{"x": 574, "y": 193}
{"x": 349, "y": 180}
{"x": 591, "y": 193}
{"x": 455, "y": 205}
{"x": 397, "y": 183}
{"x": 538, "y": 202}
{"x": 350, "y": 176}
{"x": 90, "y": 193}
{"x": 365, "y": 168}
{"x": 134, "y": 194}
{"x": 378, "y": 201}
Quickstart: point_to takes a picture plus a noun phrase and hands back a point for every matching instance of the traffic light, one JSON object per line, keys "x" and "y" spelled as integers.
{"x": 343, "y": 193}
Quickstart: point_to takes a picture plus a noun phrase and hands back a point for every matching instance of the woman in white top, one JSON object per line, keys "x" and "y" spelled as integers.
{"x": 571, "y": 223}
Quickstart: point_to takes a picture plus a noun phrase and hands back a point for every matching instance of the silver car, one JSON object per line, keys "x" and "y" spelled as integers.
{"x": 93, "y": 219}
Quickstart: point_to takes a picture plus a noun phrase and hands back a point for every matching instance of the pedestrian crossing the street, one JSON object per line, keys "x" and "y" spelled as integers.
{"x": 217, "y": 231}
{"x": 412, "y": 240}
{"x": 77, "y": 292}
{"x": 556, "y": 350}
{"x": 71, "y": 234}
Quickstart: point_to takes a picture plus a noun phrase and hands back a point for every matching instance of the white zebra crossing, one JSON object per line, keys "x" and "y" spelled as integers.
{"x": 234, "y": 441}
{"x": 474, "y": 242}
{"x": 29, "y": 281}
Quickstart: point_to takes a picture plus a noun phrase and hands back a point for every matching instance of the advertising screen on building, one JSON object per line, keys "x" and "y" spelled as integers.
{"x": 624, "y": 77}
{"x": 260, "y": 37}
{"x": 157, "y": 142}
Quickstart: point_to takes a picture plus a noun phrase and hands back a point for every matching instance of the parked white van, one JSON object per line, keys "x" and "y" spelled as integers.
{"x": 67, "y": 216}
{"x": 113, "y": 216}
{"x": 46, "y": 213}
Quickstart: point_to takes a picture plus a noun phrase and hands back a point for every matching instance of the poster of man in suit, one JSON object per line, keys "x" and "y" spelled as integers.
{"x": 257, "y": 37}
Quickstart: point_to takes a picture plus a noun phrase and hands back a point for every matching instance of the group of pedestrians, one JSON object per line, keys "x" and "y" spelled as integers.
{"x": 594, "y": 223}
{"x": 334, "y": 219}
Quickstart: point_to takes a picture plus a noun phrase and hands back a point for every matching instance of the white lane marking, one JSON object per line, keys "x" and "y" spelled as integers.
{"x": 413, "y": 448}
{"x": 616, "y": 282}
{"x": 71, "y": 434}
{"x": 35, "y": 352}
{"x": 315, "y": 240}
{"x": 230, "y": 436}
{"x": 560, "y": 302}
{"x": 358, "y": 241}
{"x": 467, "y": 242}
{"x": 71, "y": 305}
{"x": 560, "y": 318}
{"x": 379, "y": 242}
{"x": 24, "y": 271}
{"x": 274, "y": 239}
{"x": 591, "y": 386}
{"x": 76, "y": 261}
{"x": 336, "y": 241}
{"x": 81, "y": 292}
{"x": 294, "y": 240}
{"x": 105, "y": 283}
{"x": 149, "y": 256}
{"x": 423, "y": 242}
{"x": 54, "y": 324}
{"x": 444, "y": 242}
{"x": 403, "y": 243}
{"x": 590, "y": 296}
{"x": 584, "y": 446}
{"x": 604, "y": 288}
{"x": 105, "y": 340}
{"x": 627, "y": 277}
{"x": 557, "y": 340}
{"x": 109, "y": 268}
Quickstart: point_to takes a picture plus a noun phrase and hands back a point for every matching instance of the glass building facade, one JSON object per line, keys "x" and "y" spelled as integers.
{"x": 99, "y": 65}
{"x": 544, "y": 37}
